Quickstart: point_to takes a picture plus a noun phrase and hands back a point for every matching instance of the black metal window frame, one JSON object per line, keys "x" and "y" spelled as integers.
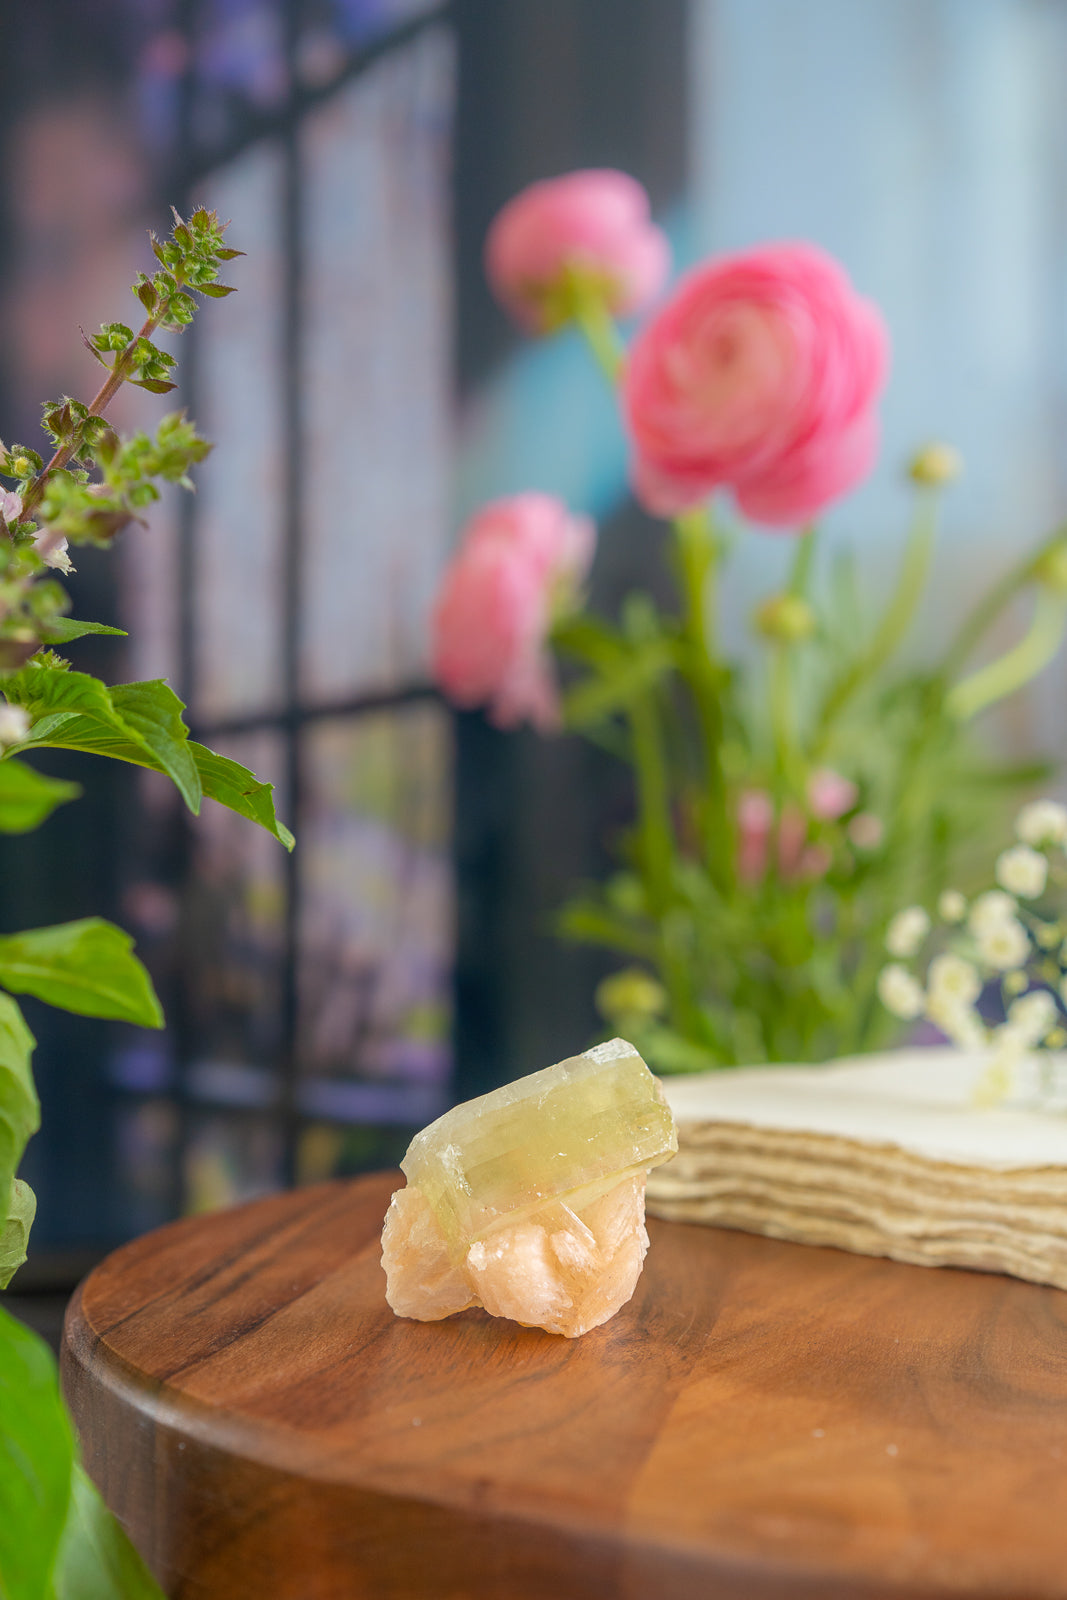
{"x": 191, "y": 171}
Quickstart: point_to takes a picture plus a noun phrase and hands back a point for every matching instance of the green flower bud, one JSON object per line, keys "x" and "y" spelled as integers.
{"x": 630, "y": 993}
{"x": 1051, "y": 570}
{"x": 785, "y": 618}
{"x": 935, "y": 465}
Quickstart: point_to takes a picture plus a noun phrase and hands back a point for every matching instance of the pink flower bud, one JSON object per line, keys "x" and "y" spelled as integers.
{"x": 595, "y": 224}
{"x": 755, "y": 819}
{"x": 520, "y": 560}
{"x": 830, "y": 795}
{"x": 760, "y": 375}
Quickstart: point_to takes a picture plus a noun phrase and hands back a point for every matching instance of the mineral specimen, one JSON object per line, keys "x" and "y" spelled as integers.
{"x": 531, "y": 1201}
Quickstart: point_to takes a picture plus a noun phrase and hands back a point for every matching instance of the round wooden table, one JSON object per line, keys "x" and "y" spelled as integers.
{"x": 762, "y": 1420}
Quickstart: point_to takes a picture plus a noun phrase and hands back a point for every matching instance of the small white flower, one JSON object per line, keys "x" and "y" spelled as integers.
{"x": 1022, "y": 871}
{"x": 957, "y": 1021}
{"x": 1004, "y": 945}
{"x": 14, "y": 725}
{"x": 952, "y": 907}
{"x": 1033, "y": 1015}
{"x": 952, "y": 978}
{"x": 52, "y": 549}
{"x": 907, "y": 931}
{"x": 900, "y": 992}
{"x": 990, "y": 909}
{"x": 1042, "y": 822}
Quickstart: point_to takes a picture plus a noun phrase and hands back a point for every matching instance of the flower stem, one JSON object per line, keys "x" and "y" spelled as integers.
{"x": 121, "y": 368}
{"x": 896, "y": 619}
{"x": 1018, "y": 665}
{"x": 697, "y": 559}
{"x": 601, "y": 334}
{"x": 991, "y": 605}
{"x": 655, "y": 834}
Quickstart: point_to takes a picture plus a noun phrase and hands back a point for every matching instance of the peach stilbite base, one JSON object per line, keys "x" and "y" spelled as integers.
{"x": 558, "y": 1269}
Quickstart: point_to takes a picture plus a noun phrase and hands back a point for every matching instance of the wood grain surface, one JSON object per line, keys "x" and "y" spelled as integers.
{"x": 762, "y": 1420}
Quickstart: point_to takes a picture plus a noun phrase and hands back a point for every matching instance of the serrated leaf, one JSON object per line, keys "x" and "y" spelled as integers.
{"x": 136, "y": 722}
{"x": 216, "y": 291}
{"x": 239, "y": 790}
{"x": 153, "y": 385}
{"x": 36, "y": 1461}
{"x": 87, "y": 967}
{"x": 20, "y": 1112}
{"x": 61, "y": 630}
{"x": 96, "y": 1560}
{"x": 28, "y": 797}
{"x": 15, "y": 1230}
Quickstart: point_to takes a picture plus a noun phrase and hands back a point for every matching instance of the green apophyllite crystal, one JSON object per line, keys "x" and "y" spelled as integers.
{"x": 569, "y": 1133}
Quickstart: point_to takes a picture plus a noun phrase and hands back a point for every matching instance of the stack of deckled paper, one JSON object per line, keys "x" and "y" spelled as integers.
{"x": 884, "y": 1155}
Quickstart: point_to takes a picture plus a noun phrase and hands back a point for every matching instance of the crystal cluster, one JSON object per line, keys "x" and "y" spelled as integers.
{"x": 531, "y": 1201}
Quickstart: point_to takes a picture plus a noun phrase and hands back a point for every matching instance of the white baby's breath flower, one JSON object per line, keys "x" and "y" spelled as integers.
{"x": 957, "y": 1021}
{"x": 14, "y": 725}
{"x": 951, "y": 907}
{"x": 1022, "y": 871}
{"x": 990, "y": 909}
{"x": 1004, "y": 945}
{"x": 1033, "y": 1015}
{"x": 1042, "y": 822}
{"x": 900, "y": 992}
{"x": 952, "y": 978}
{"x": 906, "y": 931}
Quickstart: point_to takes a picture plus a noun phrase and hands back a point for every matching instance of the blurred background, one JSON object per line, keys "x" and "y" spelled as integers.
{"x": 365, "y": 395}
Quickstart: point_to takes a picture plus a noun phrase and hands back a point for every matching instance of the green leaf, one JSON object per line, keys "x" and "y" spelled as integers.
{"x": 28, "y": 797}
{"x": 36, "y": 1457}
{"x": 96, "y": 1559}
{"x": 599, "y": 697}
{"x": 240, "y": 790}
{"x": 20, "y": 1111}
{"x": 136, "y": 722}
{"x": 61, "y": 630}
{"x": 154, "y": 712}
{"x": 140, "y": 723}
{"x": 15, "y": 1230}
{"x": 58, "y": 1541}
{"x": 87, "y": 967}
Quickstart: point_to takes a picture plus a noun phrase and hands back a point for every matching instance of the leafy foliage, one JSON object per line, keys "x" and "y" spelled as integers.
{"x": 28, "y": 797}
{"x": 140, "y": 723}
{"x": 87, "y": 967}
{"x": 57, "y": 1539}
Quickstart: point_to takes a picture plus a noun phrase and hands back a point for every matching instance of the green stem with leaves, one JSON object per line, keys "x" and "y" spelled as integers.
{"x": 896, "y": 619}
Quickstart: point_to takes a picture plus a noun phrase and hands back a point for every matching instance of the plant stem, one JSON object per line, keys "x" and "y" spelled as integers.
{"x": 120, "y": 371}
{"x": 655, "y": 833}
{"x": 896, "y": 619}
{"x": 991, "y": 605}
{"x": 697, "y": 557}
{"x": 1018, "y": 665}
{"x": 601, "y": 334}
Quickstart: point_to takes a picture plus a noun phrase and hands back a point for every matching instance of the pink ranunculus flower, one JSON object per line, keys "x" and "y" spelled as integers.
{"x": 520, "y": 561}
{"x": 830, "y": 795}
{"x": 760, "y": 375}
{"x": 596, "y": 223}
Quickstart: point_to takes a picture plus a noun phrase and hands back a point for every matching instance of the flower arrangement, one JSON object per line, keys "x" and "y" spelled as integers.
{"x": 56, "y": 1536}
{"x": 783, "y": 806}
{"x": 1004, "y": 951}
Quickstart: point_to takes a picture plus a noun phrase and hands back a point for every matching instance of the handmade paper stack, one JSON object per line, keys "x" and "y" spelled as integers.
{"x": 883, "y": 1155}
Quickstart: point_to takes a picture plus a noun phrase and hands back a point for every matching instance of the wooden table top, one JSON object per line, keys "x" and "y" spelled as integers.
{"x": 763, "y": 1419}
